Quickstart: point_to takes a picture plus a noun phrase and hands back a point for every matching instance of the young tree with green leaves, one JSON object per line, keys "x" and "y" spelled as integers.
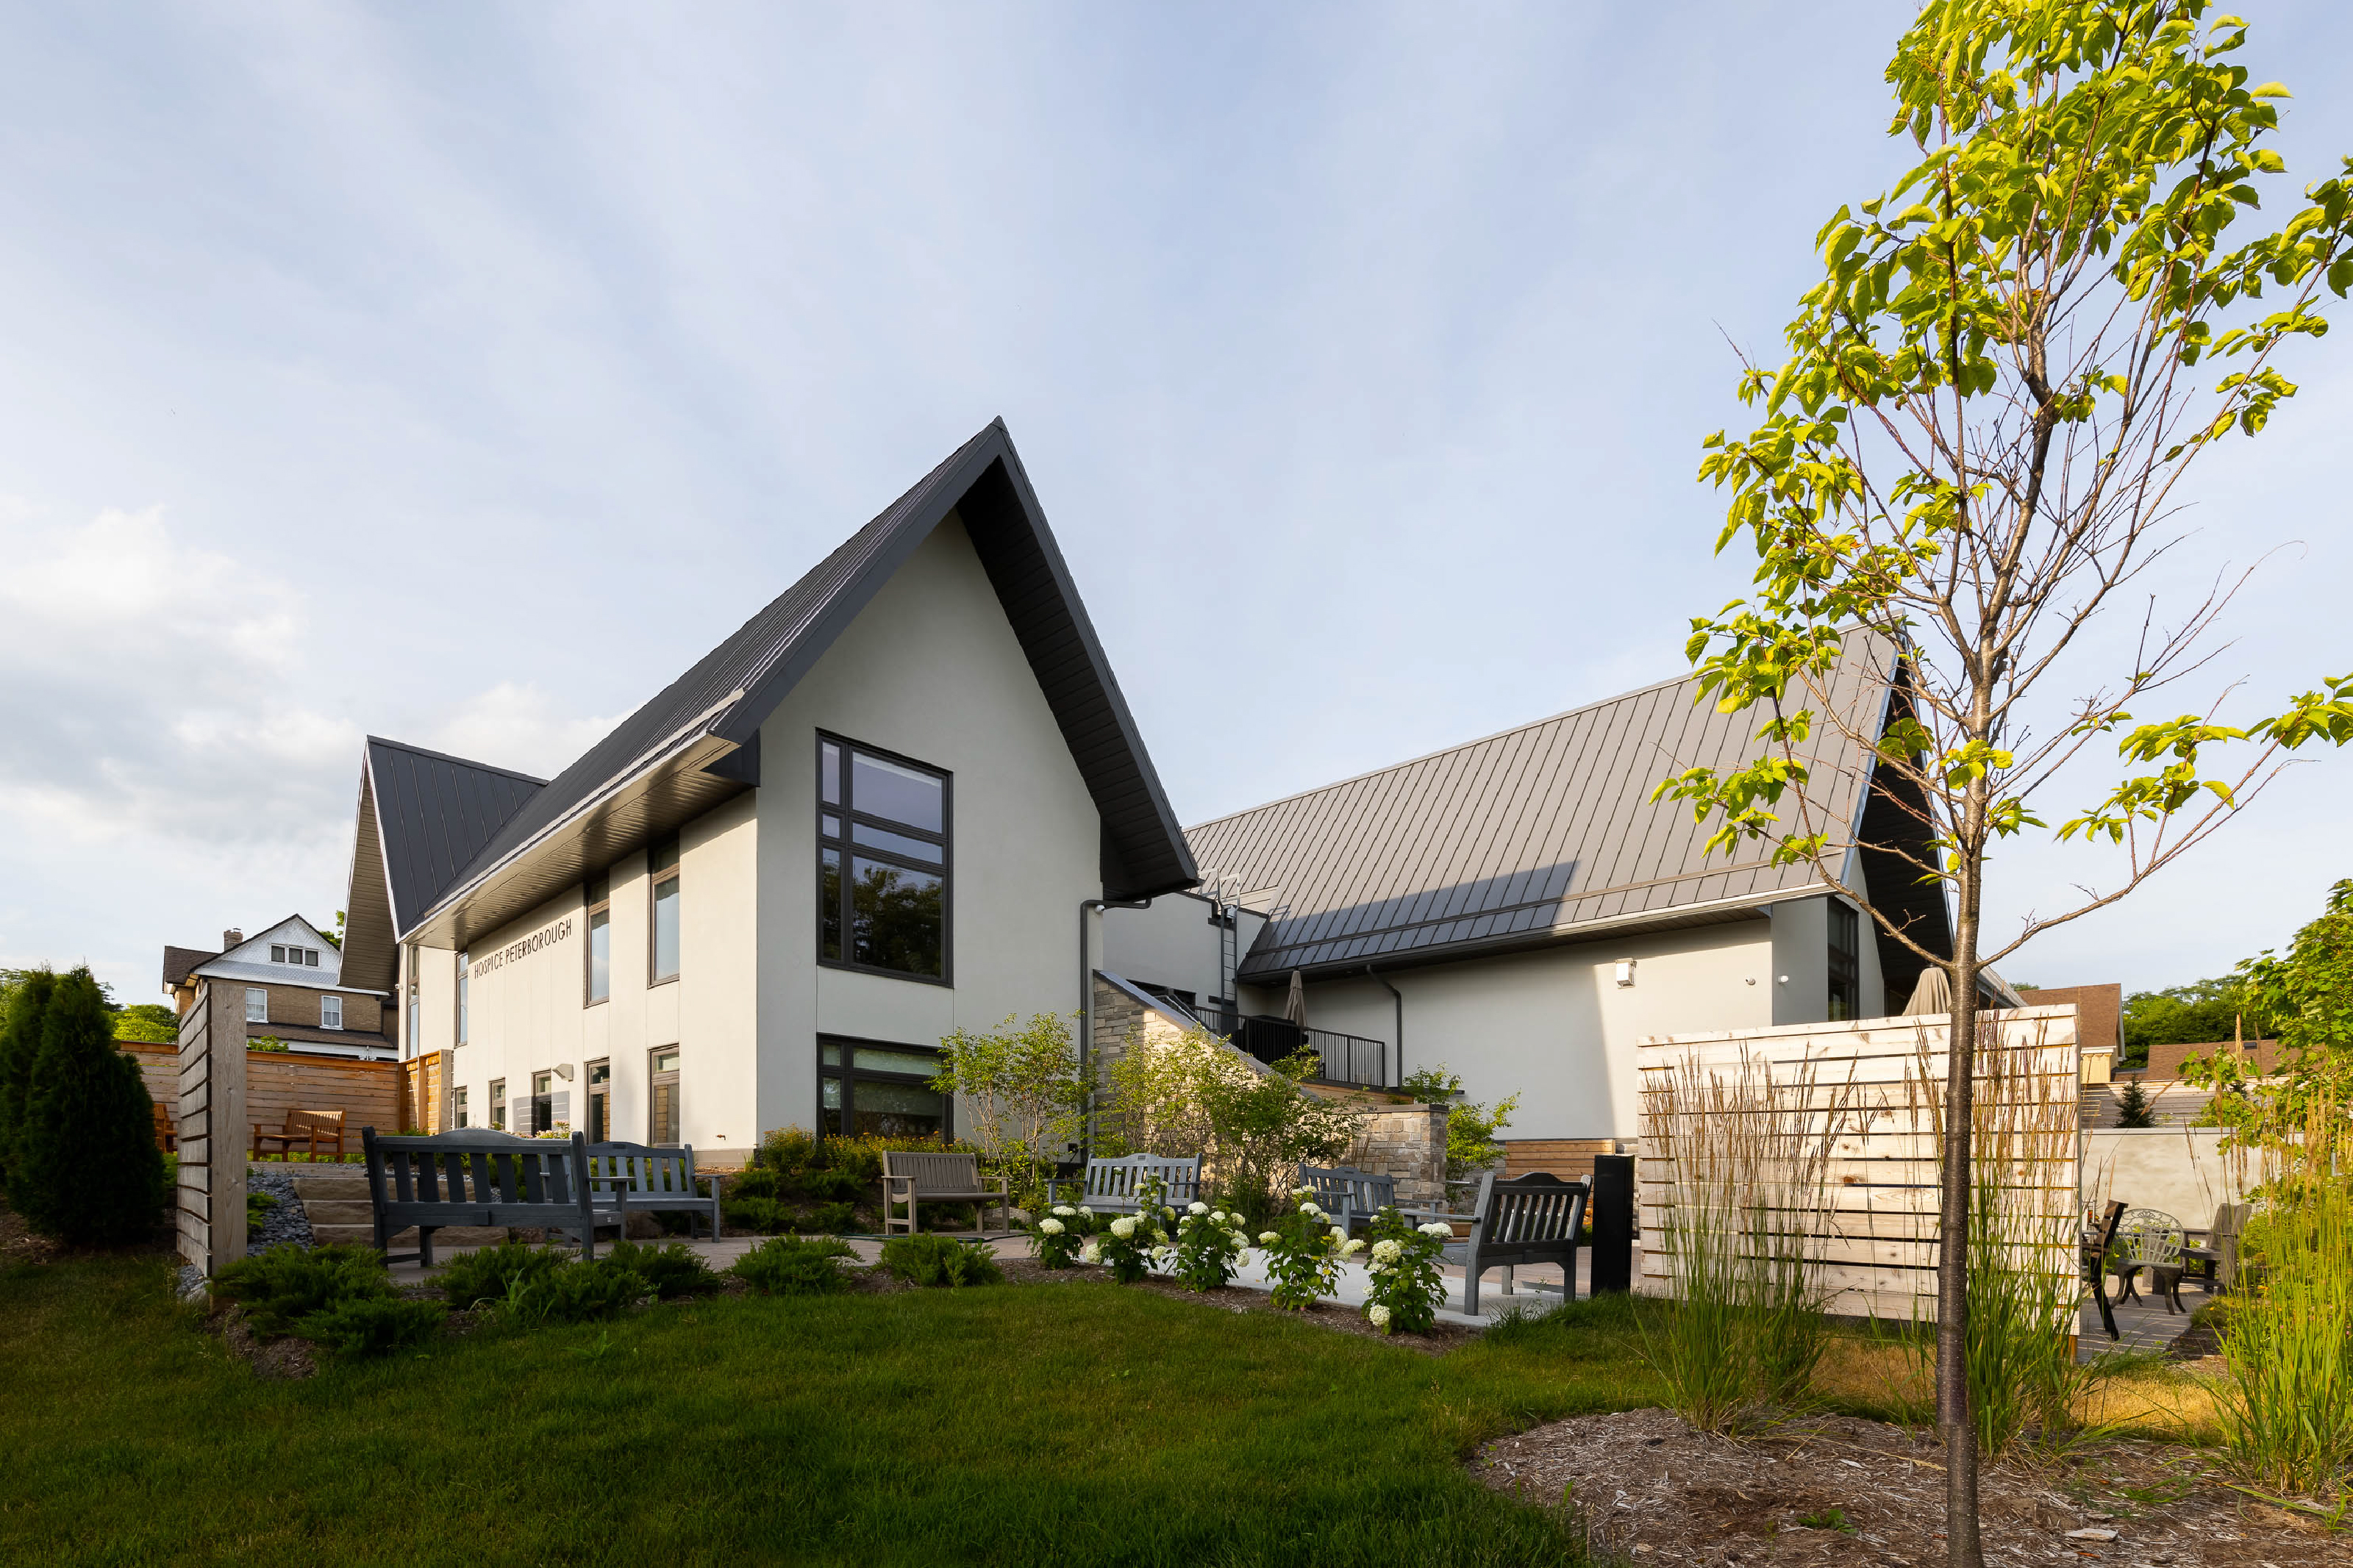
{"x": 1471, "y": 1128}
{"x": 88, "y": 1168}
{"x": 1024, "y": 1099}
{"x": 1973, "y": 448}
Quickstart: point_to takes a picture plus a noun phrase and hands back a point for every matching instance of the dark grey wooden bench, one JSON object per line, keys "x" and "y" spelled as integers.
{"x": 913, "y": 1178}
{"x": 476, "y": 1178}
{"x": 1535, "y": 1219}
{"x": 1347, "y": 1193}
{"x": 636, "y": 1178}
{"x": 1110, "y": 1186}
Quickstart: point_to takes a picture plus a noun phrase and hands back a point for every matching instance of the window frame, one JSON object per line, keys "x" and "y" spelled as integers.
{"x": 596, "y": 1088}
{"x": 849, "y": 1074}
{"x": 458, "y": 1103}
{"x": 658, "y": 1080}
{"x": 256, "y": 995}
{"x": 338, "y": 1001}
{"x": 655, "y": 880}
{"x": 847, "y": 846}
{"x": 591, "y": 906}
{"x": 1842, "y": 962}
{"x": 498, "y": 1122}
{"x": 458, "y": 1034}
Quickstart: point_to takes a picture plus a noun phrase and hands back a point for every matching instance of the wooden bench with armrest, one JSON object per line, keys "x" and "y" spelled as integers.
{"x": 477, "y": 1178}
{"x": 636, "y": 1178}
{"x": 1113, "y": 1186}
{"x": 912, "y": 1178}
{"x": 315, "y": 1131}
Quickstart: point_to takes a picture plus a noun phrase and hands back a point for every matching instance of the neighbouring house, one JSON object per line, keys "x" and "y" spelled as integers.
{"x": 882, "y": 809}
{"x": 2099, "y": 1022}
{"x": 295, "y": 990}
{"x": 1520, "y": 910}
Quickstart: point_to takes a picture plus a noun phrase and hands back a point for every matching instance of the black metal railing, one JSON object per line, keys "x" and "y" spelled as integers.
{"x": 1344, "y": 1058}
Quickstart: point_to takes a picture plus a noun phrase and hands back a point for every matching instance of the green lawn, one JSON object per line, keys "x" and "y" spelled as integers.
{"x": 1054, "y": 1423}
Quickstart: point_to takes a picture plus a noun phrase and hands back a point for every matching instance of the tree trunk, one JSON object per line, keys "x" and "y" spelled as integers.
{"x": 1955, "y": 1421}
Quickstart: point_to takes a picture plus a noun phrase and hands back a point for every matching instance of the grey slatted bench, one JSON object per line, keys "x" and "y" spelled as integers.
{"x": 913, "y": 1178}
{"x": 1535, "y": 1219}
{"x": 479, "y": 1179}
{"x": 1110, "y": 1186}
{"x": 636, "y": 1178}
{"x": 1349, "y": 1195}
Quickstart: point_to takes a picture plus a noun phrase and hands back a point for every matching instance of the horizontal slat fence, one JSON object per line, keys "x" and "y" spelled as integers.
{"x": 367, "y": 1093}
{"x": 209, "y": 1213}
{"x": 1571, "y": 1158}
{"x": 1865, "y": 1099}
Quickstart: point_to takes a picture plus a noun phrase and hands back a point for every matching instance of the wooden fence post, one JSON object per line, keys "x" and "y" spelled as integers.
{"x": 213, "y": 1134}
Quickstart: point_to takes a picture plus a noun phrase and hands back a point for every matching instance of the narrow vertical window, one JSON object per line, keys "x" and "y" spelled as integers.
{"x": 257, "y": 1005}
{"x": 661, "y": 1099}
{"x": 462, "y": 972}
{"x": 600, "y": 1102}
{"x": 883, "y": 862}
{"x": 330, "y": 1011}
{"x": 543, "y": 1102}
{"x": 600, "y": 938}
{"x": 1845, "y": 961}
{"x": 661, "y": 866}
{"x": 497, "y": 1105}
{"x": 461, "y": 1106}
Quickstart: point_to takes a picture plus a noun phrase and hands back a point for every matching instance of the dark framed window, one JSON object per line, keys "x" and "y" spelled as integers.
{"x": 1845, "y": 961}
{"x": 876, "y": 1087}
{"x": 598, "y": 898}
{"x": 662, "y": 867}
{"x": 600, "y": 1102}
{"x": 462, "y": 998}
{"x": 497, "y": 1105}
{"x": 460, "y": 1106}
{"x": 543, "y": 1103}
{"x": 882, "y": 824}
{"x": 661, "y": 1096}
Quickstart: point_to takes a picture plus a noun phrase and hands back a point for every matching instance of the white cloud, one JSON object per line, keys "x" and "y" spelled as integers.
{"x": 516, "y": 726}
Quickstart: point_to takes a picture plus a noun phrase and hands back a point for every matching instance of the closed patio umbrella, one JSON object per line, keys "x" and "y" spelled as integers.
{"x": 1294, "y": 1007}
{"x": 1933, "y": 993}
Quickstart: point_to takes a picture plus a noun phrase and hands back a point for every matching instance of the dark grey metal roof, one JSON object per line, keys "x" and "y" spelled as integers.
{"x": 433, "y": 814}
{"x": 1516, "y": 839}
{"x": 730, "y": 690}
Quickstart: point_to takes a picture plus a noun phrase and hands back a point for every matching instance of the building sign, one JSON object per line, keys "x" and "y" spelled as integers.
{"x": 523, "y": 949}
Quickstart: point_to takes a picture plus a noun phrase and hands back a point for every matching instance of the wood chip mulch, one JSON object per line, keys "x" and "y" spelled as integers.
{"x": 1838, "y": 1490}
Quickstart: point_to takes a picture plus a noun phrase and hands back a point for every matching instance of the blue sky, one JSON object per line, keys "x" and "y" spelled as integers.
{"x": 460, "y": 373}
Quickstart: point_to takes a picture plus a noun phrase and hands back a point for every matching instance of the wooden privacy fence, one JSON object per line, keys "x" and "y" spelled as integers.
{"x": 1822, "y": 1140}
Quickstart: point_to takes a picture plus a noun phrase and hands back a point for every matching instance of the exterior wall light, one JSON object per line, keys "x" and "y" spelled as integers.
{"x": 563, "y": 1071}
{"x": 1625, "y": 971}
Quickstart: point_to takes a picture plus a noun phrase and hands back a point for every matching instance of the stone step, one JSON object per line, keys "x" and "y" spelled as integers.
{"x": 352, "y": 1235}
{"x": 334, "y": 1189}
{"x": 337, "y": 1211}
{"x": 449, "y": 1236}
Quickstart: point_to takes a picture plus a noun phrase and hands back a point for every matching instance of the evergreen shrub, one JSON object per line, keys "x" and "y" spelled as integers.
{"x": 359, "y": 1326}
{"x": 491, "y": 1273}
{"x": 20, "y": 1042}
{"x": 793, "y": 1266}
{"x": 289, "y": 1283}
{"x": 86, "y": 1166}
{"x": 940, "y": 1261}
{"x": 670, "y": 1270}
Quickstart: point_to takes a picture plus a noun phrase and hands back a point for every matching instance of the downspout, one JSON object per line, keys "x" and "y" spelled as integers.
{"x": 1087, "y": 1008}
{"x": 1398, "y": 998}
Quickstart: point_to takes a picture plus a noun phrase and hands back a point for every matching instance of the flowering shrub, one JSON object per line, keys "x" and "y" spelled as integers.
{"x": 1209, "y": 1243}
{"x": 1060, "y": 1234}
{"x": 1303, "y": 1254}
{"x": 1127, "y": 1242}
{"x": 1405, "y": 1265}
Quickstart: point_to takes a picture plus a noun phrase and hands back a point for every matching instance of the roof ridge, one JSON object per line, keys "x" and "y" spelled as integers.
{"x": 416, "y": 750}
{"x": 1435, "y": 752}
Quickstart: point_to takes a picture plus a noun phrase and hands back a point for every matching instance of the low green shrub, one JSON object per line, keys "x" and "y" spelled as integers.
{"x": 794, "y": 1265}
{"x": 940, "y": 1260}
{"x": 584, "y": 1292}
{"x": 755, "y": 1183}
{"x": 753, "y": 1212}
{"x": 491, "y": 1273}
{"x": 670, "y": 1270}
{"x": 829, "y": 1219}
{"x": 290, "y": 1282}
{"x": 834, "y": 1186}
{"x": 359, "y": 1326}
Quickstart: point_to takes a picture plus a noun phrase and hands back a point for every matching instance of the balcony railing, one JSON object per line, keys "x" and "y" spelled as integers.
{"x": 1352, "y": 1060}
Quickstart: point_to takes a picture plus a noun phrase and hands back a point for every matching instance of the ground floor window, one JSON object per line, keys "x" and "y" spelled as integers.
{"x": 600, "y": 1090}
{"x": 662, "y": 1097}
{"x": 868, "y": 1087}
{"x": 461, "y": 1107}
{"x": 497, "y": 1105}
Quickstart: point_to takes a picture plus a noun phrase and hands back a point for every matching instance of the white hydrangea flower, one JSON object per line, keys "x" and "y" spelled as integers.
{"x": 1389, "y": 1251}
{"x": 1083, "y": 1210}
{"x": 1091, "y": 1252}
{"x": 1197, "y": 1208}
{"x": 1437, "y": 1227}
{"x": 1049, "y": 1226}
{"x": 1302, "y": 1192}
{"x": 1350, "y": 1249}
{"x": 1065, "y": 1210}
{"x": 1123, "y": 1226}
{"x": 1269, "y": 1237}
{"x": 1378, "y": 1314}
{"x": 1338, "y": 1234}
{"x": 1311, "y": 1211}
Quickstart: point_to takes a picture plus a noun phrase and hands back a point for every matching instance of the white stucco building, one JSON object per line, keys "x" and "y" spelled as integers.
{"x": 874, "y": 813}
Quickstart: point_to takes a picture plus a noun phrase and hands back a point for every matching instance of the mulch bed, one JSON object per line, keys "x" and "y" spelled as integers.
{"x": 1654, "y": 1491}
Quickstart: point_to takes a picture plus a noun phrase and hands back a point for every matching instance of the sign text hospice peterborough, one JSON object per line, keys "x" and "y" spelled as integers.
{"x": 523, "y": 949}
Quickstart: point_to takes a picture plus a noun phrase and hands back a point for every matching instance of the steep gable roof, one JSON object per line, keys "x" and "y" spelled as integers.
{"x": 699, "y": 736}
{"x": 1522, "y": 838}
{"x": 179, "y": 963}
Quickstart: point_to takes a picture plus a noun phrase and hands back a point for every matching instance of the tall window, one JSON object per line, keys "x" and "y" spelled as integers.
{"x": 543, "y": 1103}
{"x": 462, "y": 998}
{"x": 662, "y": 1097}
{"x": 661, "y": 866}
{"x": 497, "y": 1105}
{"x": 1845, "y": 961}
{"x": 330, "y": 1011}
{"x": 600, "y": 938}
{"x": 600, "y": 1101}
{"x": 865, "y": 1087}
{"x": 257, "y": 1005}
{"x": 883, "y": 862}
{"x": 461, "y": 1107}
